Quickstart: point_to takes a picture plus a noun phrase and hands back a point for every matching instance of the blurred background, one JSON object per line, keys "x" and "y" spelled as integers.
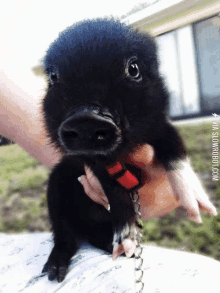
{"x": 188, "y": 37}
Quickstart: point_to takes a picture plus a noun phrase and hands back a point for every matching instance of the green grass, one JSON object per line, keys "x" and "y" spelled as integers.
{"x": 23, "y": 205}
{"x": 198, "y": 143}
{"x": 22, "y": 191}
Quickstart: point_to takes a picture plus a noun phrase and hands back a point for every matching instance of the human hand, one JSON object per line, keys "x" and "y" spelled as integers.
{"x": 162, "y": 191}
{"x": 93, "y": 188}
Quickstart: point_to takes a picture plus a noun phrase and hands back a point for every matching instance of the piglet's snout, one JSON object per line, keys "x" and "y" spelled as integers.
{"x": 87, "y": 130}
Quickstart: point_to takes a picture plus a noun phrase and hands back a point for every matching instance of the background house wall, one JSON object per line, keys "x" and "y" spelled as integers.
{"x": 188, "y": 37}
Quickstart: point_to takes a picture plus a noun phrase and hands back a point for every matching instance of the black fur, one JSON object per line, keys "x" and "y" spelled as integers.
{"x": 98, "y": 105}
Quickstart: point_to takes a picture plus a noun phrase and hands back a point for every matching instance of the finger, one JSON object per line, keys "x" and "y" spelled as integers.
{"x": 94, "y": 182}
{"x": 91, "y": 192}
{"x": 85, "y": 183}
{"x": 105, "y": 204}
{"x": 89, "y": 174}
{"x": 92, "y": 179}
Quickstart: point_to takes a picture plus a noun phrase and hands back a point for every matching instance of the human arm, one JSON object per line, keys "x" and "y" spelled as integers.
{"x": 21, "y": 122}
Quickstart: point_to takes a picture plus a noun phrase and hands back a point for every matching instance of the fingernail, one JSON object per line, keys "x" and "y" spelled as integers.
{"x": 79, "y": 179}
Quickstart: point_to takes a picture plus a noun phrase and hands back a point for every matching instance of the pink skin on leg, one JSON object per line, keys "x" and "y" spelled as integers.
{"x": 188, "y": 189}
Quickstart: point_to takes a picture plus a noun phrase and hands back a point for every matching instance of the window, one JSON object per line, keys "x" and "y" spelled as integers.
{"x": 207, "y": 38}
{"x": 170, "y": 71}
{"x": 178, "y": 67}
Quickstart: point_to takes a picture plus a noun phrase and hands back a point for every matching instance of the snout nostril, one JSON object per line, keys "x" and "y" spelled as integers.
{"x": 100, "y": 135}
{"x": 70, "y": 134}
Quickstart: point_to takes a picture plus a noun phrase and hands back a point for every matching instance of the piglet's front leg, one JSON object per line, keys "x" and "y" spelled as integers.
{"x": 123, "y": 215}
{"x": 188, "y": 190}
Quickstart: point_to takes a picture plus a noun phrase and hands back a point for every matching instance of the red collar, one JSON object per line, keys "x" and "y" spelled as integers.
{"x": 122, "y": 175}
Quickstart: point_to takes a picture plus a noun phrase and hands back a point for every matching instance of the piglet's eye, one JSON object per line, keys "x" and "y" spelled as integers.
{"x": 53, "y": 77}
{"x": 132, "y": 70}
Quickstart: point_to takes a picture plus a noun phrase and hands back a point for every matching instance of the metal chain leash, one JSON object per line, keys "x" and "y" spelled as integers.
{"x": 130, "y": 180}
{"x": 139, "y": 284}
